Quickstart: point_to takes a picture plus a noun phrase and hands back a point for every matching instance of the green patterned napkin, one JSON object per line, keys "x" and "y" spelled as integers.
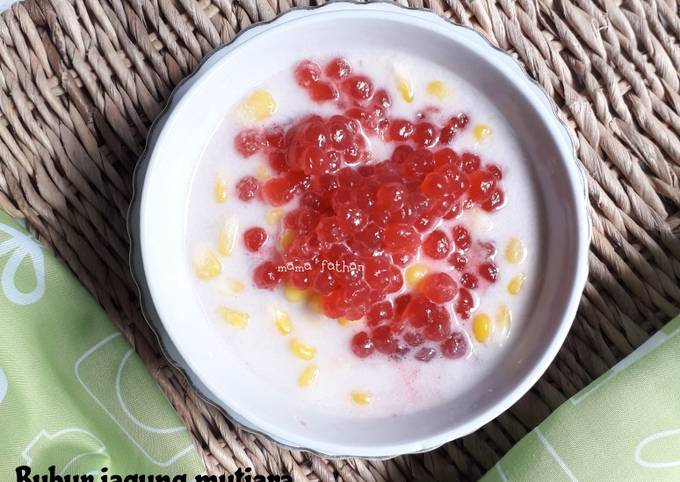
{"x": 73, "y": 393}
{"x": 625, "y": 426}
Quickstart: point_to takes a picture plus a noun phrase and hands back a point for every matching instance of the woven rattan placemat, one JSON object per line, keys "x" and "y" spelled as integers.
{"x": 82, "y": 80}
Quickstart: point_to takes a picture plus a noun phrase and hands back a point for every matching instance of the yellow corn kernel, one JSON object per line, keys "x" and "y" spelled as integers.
{"x": 482, "y": 327}
{"x": 314, "y": 303}
{"x": 437, "y": 89}
{"x": 273, "y": 216}
{"x": 301, "y": 350}
{"x": 515, "y": 251}
{"x": 286, "y": 238}
{"x": 282, "y": 322}
{"x": 259, "y": 105}
{"x": 227, "y": 238}
{"x": 481, "y": 132}
{"x": 293, "y": 294}
{"x": 415, "y": 273}
{"x": 262, "y": 173}
{"x": 361, "y": 398}
{"x": 405, "y": 89}
{"x": 345, "y": 322}
{"x": 308, "y": 376}
{"x": 236, "y": 286}
{"x": 220, "y": 190}
{"x": 504, "y": 319}
{"x": 516, "y": 283}
{"x": 236, "y": 318}
{"x": 207, "y": 265}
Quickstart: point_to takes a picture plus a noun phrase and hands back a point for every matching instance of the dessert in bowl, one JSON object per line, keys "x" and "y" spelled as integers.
{"x": 358, "y": 244}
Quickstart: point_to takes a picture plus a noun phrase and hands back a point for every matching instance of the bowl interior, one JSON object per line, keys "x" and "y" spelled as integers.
{"x": 188, "y": 130}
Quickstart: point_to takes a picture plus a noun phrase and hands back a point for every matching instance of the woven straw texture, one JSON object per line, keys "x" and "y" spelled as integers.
{"x": 82, "y": 80}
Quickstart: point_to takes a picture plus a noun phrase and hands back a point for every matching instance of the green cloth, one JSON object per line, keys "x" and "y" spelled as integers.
{"x": 73, "y": 393}
{"x": 625, "y": 426}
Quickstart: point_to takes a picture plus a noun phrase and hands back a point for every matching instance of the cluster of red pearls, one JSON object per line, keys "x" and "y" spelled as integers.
{"x": 374, "y": 217}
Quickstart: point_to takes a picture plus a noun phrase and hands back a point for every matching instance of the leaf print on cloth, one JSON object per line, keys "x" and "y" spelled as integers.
{"x": 662, "y": 444}
{"x": 20, "y": 246}
{"x": 3, "y": 385}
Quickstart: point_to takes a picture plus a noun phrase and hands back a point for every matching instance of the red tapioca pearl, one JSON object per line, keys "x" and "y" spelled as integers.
{"x": 400, "y": 130}
{"x": 364, "y": 198}
{"x": 266, "y": 275}
{"x": 457, "y": 182}
{"x": 299, "y": 180}
{"x": 464, "y": 303}
{"x": 312, "y": 201}
{"x": 380, "y": 313}
{"x": 277, "y": 191}
{"x": 402, "y": 259}
{"x": 440, "y": 207}
{"x": 306, "y": 219}
{"x": 469, "y": 281}
{"x": 414, "y": 338}
{"x": 316, "y": 161}
{"x": 487, "y": 248}
{"x": 420, "y": 311}
{"x": 307, "y": 73}
{"x": 401, "y": 153}
{"x": 437, "y": 245}
{"x": 460, "y": 121}
{"x": 424, "y": 223}
{"x": 438, "y": 287}
{"x": 435, "y": 185}
{"x": 421, "y": 161}
{"x": 482, "y": 184}
{"x": 254, "y": 238}
{"x": 324, "y": 282}
{"x": 495, "y": 171}
{"x": 370, "y": 239}
{"x": 452, "y": 127}
{"x": 331, "y": 304}
{"x": 425, "y": 134}
{"x": 358, "y": 87}
{"x": 353, "y": 154}
{"x": 470, "y": 162}
{"x": 458, "y": 260}
{"x": 275, "y": 137}
{"x": 338, "y": 68}
{"x": 401, "y": 303}
{"x": 352, "y": 220}
{"x": 362, "y": 345}
{"x": 382, "y": 98}
{"x": 391, "y": 196}
{"x": 328, "y": 230}
{"x": 355, "y": 312}
{"x": 384, "y": 340}
{"x": 440, "y": 326}
{"x": 395, "y": 280}
{"x": 323, "y": 92}
{"x": 380, "y": 217}
{"x": 340, "y": 132}
{"x": 461, "y": 237}
{"x": 455, "y": 346}
{"x": 495, "y": 201}
{"x": 454, "y": 212}
{"x": 488, "y": 271}
{"x": 247, "y": 188}
{"x": 401, "y": 351}
{"x": 300, "y": 279}
{"x": 446, "y": 158}
{"x": 401, "y": 238}
{"x": 277, "y": 160}
{"x": 249, "y": 141}
{"x": 425, "y": 354}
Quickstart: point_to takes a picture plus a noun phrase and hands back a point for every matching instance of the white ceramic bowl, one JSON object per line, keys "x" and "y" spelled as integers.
{"x": 162, "y": 187}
